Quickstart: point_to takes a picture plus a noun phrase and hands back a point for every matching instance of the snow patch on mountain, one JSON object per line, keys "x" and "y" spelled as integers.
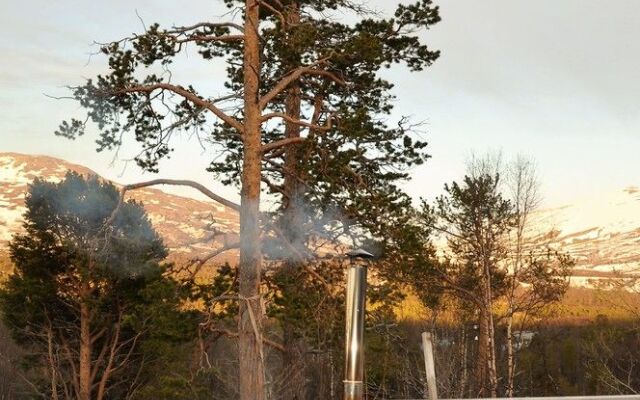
{"x": 602, "y": 233}
{"x": 184, "y": 223}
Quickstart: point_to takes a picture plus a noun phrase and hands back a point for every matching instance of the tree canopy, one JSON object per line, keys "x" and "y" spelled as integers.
{"x": 89, "y": 296}
{"x": 305, "y": 115}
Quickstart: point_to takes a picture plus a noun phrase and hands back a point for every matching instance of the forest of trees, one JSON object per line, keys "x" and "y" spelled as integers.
{"x": 93, "y": 310}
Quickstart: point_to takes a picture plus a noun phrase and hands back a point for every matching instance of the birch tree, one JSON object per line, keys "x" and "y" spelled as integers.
{"x": 536, "y": 275}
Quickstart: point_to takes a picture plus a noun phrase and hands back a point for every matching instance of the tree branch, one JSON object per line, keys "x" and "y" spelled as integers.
{"x": 277, "y": 13}
{"x": 199, "y": 262}
{"x": 177, "y": 182}
{"x": 301, "y": 258}
{"x": 183, "y": 182}
{"x": 212, "y": 25}
{"x": 192, "y": 97}
{"x": 106, "y": 374}
{"x": 281, "y": 143}
{"x": 207, "y": 38}
{"x": 266, "y": 341}
{"x": 327, "y": 126}
{"x": 296, "y": 74}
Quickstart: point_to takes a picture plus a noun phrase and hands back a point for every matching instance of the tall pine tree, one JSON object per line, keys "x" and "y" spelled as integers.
{"x": 306, "y": 115}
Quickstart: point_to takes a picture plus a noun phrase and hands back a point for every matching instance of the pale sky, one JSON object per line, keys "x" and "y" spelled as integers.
{"x": 557, "y": 80}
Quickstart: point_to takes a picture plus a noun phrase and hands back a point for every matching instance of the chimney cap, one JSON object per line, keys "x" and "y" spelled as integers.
{"x": 360, "y": 253}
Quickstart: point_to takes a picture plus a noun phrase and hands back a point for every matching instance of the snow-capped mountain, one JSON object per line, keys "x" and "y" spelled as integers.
{"x": 186, "y": 225}
{"x": 602, "y": 234}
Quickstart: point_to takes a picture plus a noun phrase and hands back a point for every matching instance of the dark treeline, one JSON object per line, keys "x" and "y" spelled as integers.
{"x": 566, "y": 356}
{"x": 559, "y": 359}
{"x": 156, "y": 332}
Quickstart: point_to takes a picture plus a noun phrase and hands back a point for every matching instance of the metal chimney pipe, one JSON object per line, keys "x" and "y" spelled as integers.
{"x": 354, "y": 329}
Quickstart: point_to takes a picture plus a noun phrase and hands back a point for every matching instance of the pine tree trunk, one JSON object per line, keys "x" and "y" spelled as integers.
{"x": 294, "y": 364}
{"x": 52, "y": 364}
{"x": 483, "y": 354}
{"x": 251, "y": 358}
{"x": 486, "y": 371}
{"x": 464, "y": 364}
{"x": 510, "y": 357}
{"x": 84, "y": 369}
{"x": 492, "y": 373}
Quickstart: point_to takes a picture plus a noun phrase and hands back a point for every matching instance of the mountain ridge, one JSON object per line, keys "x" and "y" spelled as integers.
{"x": 602, "y": 234}
{"x": 189, "y": 227}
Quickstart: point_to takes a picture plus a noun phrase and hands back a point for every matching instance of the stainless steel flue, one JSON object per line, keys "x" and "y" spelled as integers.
{"x": 354, "y": 332}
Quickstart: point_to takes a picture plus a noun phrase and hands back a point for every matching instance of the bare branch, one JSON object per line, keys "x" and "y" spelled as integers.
{"x": 207, "y": 38}
{"x": 281, "y": 143}
{"x": 268, "y": 342}
{"x": 227, "y": 97}
{"x": 296, "y": 74}
{"x": 301, "y": 258}
{"x": 199, "y": 262}
{"x": 176, "y": 182}
{"x": 106, "y": 374}
{"x": 192, "y": 97}
{"x": 212, "y": 25}
{"x": 327, "y": 126}
{"x": 182, "y": 182}
{"x": 448, "y": 232}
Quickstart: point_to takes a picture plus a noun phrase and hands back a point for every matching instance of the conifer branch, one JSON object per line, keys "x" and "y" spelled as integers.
{"x": 192, "y": 97}
{"x": 296, "y": 74}
{"x": 327, "y": 126}
{"x": 211, "y": 25}
{"x": 208, "y": 38}
{"x": 271, "y": 8}
{"x": 199, "y": 262}
{"x": 183, "y": 182}
{"x": 177, "y": 182}
{"x": 281, "y": 143}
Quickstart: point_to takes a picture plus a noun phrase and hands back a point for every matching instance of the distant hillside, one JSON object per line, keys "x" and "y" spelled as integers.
{"x": 185, "y": 224}
{"x": 602, "y": 234}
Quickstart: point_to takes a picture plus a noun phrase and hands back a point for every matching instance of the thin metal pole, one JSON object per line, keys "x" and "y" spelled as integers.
{"x": 429, "y": 366}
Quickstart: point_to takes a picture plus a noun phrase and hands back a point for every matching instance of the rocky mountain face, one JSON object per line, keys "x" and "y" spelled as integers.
{"x": 189, "y": 227}
{"x": 602, "y": 234}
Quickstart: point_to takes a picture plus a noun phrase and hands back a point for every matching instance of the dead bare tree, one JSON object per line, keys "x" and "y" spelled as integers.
{"x": 536, "y": 276}
{"x": 523, "y": 186}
